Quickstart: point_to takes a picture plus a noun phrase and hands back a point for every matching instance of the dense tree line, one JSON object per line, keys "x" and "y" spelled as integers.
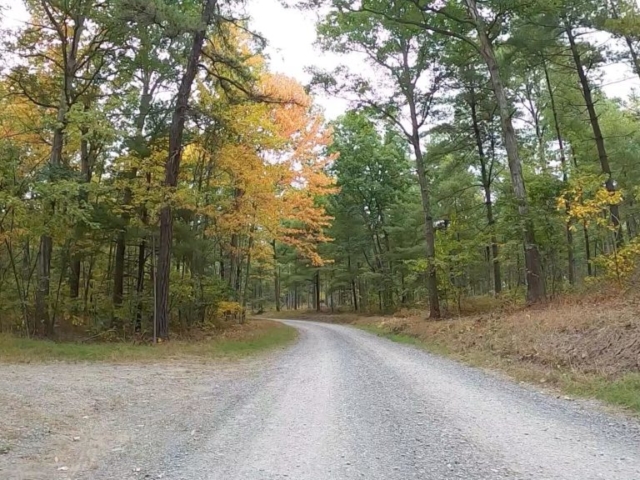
{"x": 152, "y": 167}
{"x": 482, "y": 156}
{"x": 149, "y": 160}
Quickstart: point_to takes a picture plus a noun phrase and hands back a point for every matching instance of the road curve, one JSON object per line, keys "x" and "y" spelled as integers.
{"x": 344, "y": 404}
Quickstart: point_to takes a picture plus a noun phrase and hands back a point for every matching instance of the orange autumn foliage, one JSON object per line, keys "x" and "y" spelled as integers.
{"x": 270, "y": 162}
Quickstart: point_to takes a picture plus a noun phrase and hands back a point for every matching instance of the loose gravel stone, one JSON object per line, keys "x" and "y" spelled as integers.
{"x": 340, "y": 404}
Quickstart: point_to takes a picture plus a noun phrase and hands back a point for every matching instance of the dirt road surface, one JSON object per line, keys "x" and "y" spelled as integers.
{"x": 339, "y": 404}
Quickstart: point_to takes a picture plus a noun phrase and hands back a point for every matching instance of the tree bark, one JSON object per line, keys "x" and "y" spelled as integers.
{"x": 172, "y": 169}
{"x": 614, "y": 211}
{"x": 88, "y": 156}
{"x": 565, "y": 177}
{"x": 276, "y": 275}
{"x": 317, "y": 291}
{"x": 70, "y": 54}
{"x": 533, "y": 264}
{"x": 354, "y": 290}
{"x": 43, "y": 289}
{"x": 425, "y": 196}
{"x": 587, "y": 246}
{"x": 486, "y": 184}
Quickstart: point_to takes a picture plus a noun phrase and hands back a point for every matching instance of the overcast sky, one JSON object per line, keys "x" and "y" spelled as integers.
{"x": 291, "y": 36}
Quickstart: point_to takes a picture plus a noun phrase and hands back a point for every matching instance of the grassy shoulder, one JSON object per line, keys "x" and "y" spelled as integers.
{"x": 238, "y": 341}
{"x": 584, "y": 347}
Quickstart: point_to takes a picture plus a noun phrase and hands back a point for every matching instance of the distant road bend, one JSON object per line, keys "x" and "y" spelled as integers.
{"x": 344, "y": 404}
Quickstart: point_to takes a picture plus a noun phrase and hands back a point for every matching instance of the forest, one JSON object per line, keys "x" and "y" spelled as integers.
{"x": 156, "y": 172}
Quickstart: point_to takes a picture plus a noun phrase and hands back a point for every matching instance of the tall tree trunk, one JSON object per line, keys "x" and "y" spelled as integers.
{"x": 276, "y": 275}
{"x": 565, "y": 176}
{"x": 142, "y": 263}
{"x": 614, "y": 211}
{"x": 88, "y": 156}
{"x": 486, "y": 184}
{"x": 635, "y": 60}
{"x": 172, "y": 169}
{"x": 354, "y": 290}
{"x": 587, "y": 246}
{"x": 131, "y": 174}
{"x": 354, "y": 293}
{"x": 233, "y": 262}
{"x": 317, "y": 290}
{"x": 71, "y": 43}
{"x": 140, "y": 284}
{"x": 42, "y": 317}
{"x": 533, "y": 263}
{"x": 42, "y": 289}
{"x": 74, "y": 276}
{"x": 429, "y": 233}
{"x": 425, "y": 196}
{"x": 243, "y": 289}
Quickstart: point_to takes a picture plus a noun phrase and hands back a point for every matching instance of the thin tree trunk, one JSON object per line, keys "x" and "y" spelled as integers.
{"x": 142, "y": 257}
{"x": 565, "y": 177}
{"x": 587, "y": 245}
{"x": 413, "y": 135}
{"x": 42, "y": 317}
{"x": 614, "y": 210}
{"x": 44, "y": 282}
{"x": 74, "y": 276}
{"x": 19, "y": 287}
{"x": 70, "y": 51}
{"x": 429, "y": 231}
{"x": 486, "y": 183}
{"x": 533, "y": 264}
{"x": 87, "y": 158}
{"x": 172, "y": 169}
{"x": 317, "y": 290}
{"x": 140, "y": 284}
{"x": 354, "y": 291}
{"x": 243, "y": 289}
{"x": 233, "y": 261}
{"x": 276, "y": 275}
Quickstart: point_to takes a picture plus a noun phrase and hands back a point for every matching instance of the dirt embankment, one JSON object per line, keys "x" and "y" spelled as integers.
{"x": 595, "y": 338}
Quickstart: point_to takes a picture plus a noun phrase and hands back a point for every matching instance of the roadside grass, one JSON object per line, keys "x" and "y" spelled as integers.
{"x": 236, "y": 342}
{"x": 624, "y": 391}
{"x": 396, "y": 337}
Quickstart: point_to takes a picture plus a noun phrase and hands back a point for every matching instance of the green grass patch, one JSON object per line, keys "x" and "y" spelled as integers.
{"x": 258, "y": 337}
{"x": 624, "y": 391}
{"x": 396, "y": 337}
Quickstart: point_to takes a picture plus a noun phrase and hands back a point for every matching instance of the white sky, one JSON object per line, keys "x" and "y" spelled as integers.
{"x": 291, "y": 35}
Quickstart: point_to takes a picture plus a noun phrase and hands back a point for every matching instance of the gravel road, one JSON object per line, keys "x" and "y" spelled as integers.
{"x": 340, "y": 404}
